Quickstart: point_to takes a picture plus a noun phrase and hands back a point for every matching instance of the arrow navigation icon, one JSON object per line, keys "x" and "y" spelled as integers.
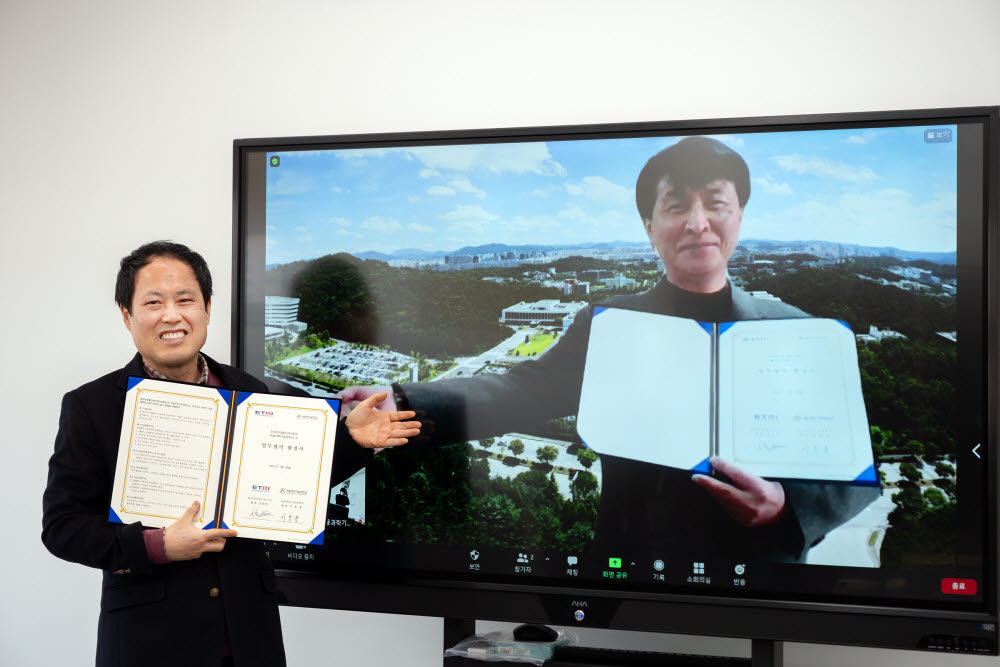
{"x": 975, "y": 452}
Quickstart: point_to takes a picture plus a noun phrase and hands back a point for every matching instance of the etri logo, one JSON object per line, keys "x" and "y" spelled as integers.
{"x": 263, "y": 413}
{"x": 261, "y": 487}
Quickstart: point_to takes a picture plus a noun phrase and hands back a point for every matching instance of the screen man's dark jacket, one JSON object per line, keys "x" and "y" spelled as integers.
{"x": 171, "y": 615}
{"x": 643, "y": 507}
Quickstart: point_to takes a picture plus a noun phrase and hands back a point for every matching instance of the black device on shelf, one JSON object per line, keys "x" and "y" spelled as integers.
{"x": 463, "y": 272}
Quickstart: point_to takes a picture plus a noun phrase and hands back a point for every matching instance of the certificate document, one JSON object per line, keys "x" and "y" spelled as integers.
{"x": 258, "y": 463}
{"x": 779, "y": 398}
{"x": 282, "y": 454}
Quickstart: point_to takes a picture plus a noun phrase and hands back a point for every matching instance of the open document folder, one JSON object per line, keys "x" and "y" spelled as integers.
{"x": 778, "y": 398}
{"x": 258, "y": 463}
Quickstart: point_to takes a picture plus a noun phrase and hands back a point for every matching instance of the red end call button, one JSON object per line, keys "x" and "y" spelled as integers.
{"x": 958, "y": 586}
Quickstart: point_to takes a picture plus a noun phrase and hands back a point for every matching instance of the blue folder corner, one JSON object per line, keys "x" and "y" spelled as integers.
{"x": 318, "y": 540}
{"x": 869, "y": 477}
{"x": 112, "y": 517}
{"x": 704, "y": 467}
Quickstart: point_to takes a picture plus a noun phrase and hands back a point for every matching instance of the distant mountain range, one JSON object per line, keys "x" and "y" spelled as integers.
{"x": 490, "y": 248}
{"x": 825, "y": 249}
{"x": 832, "y": 250}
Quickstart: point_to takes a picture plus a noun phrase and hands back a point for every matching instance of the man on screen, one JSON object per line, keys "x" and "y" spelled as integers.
{"x": 691, "y": 197}
{"x": 176, "y": 595}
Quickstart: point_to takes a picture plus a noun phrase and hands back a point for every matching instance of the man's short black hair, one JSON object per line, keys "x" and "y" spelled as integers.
{"x": 691, "y": 163}
{"x": 144, "y": 254}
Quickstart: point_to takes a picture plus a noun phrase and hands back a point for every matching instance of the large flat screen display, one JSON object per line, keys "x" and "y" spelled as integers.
{"x": 744, "y": 360}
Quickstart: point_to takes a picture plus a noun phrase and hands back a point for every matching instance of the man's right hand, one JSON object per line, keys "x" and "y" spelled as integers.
{"x": 182, "y": 541}
{"x": 352, "y": 396}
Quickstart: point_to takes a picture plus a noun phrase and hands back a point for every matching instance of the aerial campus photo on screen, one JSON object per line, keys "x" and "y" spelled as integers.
{"x": 424, "y": 264}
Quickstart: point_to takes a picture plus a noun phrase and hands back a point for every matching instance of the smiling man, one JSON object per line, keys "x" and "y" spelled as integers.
{"x": 176, "y": 595}
{"x": 691, "y": 197}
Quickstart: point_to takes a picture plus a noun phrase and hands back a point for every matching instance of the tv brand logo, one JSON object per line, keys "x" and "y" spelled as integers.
{"x": 578, "y": 603}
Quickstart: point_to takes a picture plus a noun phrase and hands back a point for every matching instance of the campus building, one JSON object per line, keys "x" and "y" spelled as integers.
{"x": 281, "y": 315}
{"x": 548, "y": 312}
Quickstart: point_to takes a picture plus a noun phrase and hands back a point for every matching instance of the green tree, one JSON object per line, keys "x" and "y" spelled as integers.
{"x": 516, "y": 446}
{"x": 914, "y": 447}
{"x": 583, "y": 486}
{"x": 547, "y": 454}
{"x": 586, "y": 457}
{"x": 944, "y": 469}
{"x": 935, "y": 499}
{"x": 910, "y": 472}
{"x": 487, "y": 442}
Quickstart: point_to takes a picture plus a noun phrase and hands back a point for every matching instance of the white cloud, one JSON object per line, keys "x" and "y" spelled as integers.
{"x": 865, "y": 137}
{"x": 468, "y": 213}
{"x": 413, "y": 199}
{"x": 337, "y": 189}
{"x": 887, "y": 217}
{"x": 419, "y": 228}
{"x": 290, "y": 183}
{"x": 361, "y": 153}
{"x": 573, "y": 212}
{"x": 518, "y": 158}
{"x": 340, "y": 222}
{"x": 440, "y": 191}
{"x": 772, "y": 187}
{"x": 817, "y": 166}
{"x": 300, "y": 229}
{"x": 600, "y": 189}
{"x": 464, "y": 185}
{"x": 467, "y": 227}
{"x": 541, "y": 192}
{"x": 729, "y": 139}
{"x": 380, "y": 224}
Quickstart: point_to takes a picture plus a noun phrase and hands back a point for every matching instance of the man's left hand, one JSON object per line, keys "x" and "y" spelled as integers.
{"x": 376, "y": 429}
{"x": 750, "y": 500}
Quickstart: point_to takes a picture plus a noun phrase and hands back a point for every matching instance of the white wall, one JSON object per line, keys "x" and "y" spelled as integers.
{"x": 116, "y": 127}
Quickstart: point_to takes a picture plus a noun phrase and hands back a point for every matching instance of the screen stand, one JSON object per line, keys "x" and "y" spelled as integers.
{"x": 455, "y": 630}
{"x": 763, "y": 652}
{"x": 766, "y": 653}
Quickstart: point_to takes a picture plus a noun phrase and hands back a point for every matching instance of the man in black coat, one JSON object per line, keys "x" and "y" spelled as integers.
{"x": 176, "y": 595}
{"x": 690, "y": 198}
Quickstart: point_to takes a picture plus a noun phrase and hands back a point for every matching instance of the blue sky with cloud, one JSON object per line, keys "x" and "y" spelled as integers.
{"x": 877, "y": 187}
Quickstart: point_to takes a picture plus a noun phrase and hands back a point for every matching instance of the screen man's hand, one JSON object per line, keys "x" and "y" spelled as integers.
{"x": 750, "y": 500}
{"x": 376, "y": 429}
{"x": 182, "y": 541}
